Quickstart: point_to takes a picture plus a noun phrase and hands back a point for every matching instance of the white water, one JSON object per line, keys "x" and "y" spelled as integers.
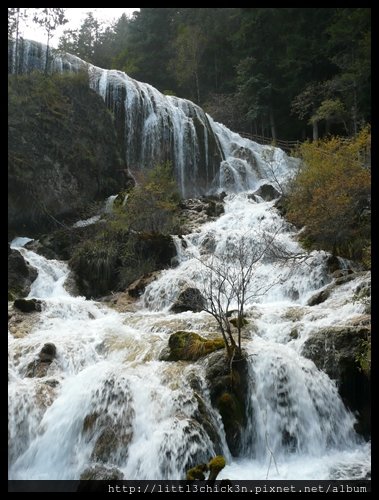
{"x": 108, "y": 364}
{"x": 107, "y": 398}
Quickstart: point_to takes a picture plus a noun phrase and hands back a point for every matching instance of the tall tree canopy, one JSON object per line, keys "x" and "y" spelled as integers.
{"x": 290, "y": 72}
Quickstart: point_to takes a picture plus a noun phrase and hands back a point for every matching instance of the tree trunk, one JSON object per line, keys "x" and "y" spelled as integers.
{"x": 16, "y": 59}
{"x": 272, "y": 124}
{"x": 197, "y": 87}
{"x": 354, "y": 110}
{"x": 315, "y": 130}
{"x": 47, "y": 53}
{"x": 327, "y": 127}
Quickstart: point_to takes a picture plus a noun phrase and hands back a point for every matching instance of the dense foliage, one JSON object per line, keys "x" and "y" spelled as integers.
{"x": 331, "y": 195}
{"x": 135, "y": 238}
{"x": 288, "y": 71}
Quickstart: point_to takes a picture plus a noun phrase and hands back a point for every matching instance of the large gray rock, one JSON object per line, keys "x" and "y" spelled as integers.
{"x": 336, "y": 350}
{"x": 39, "y": 367}
{"x": 267, "y": 192}
{"x": 20, "y": 275}
{"x": 190, "y": 299}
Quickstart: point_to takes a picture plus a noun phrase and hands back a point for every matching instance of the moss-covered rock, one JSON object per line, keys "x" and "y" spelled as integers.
{"x": 190, "y": 346}
{"x": 337, "y": 351}
{"x": 239, "y": 322}
{"x": 229, "y": 392}
{"x": 63, "y": 150}
{"x": 101, "y": 473}
{"x": 215, "y": 466}
{"x": 197, "y": 473}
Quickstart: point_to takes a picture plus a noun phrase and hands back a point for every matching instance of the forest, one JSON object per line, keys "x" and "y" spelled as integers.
{"x": 289, "y": 73}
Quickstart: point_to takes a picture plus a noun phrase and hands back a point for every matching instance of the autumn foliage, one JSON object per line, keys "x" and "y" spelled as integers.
{"x": 330, "y": 196}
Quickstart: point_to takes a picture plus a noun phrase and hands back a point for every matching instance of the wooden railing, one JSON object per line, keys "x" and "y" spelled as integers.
{"x": 260, "y": 139}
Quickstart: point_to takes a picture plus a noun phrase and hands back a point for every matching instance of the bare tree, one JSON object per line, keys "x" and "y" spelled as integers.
{"x": 227, "y": 285}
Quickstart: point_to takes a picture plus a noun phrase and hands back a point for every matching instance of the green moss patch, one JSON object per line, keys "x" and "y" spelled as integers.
{"x": 191, "y": 346}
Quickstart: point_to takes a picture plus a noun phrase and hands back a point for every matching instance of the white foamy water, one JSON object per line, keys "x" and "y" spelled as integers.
{"x": 107, "y": 384}
{"x": 108, "y": 398}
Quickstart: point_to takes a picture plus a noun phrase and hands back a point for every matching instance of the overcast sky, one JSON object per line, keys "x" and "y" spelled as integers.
{"x": 75, "y": 17}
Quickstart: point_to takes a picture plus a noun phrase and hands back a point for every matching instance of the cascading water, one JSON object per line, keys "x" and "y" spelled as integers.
{"x": 108, "y": 398}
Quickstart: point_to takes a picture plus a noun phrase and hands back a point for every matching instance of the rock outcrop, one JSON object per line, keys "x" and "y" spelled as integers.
{"x": 191, "y": 346}
{"x": 20, "y": 275}
{"x": 63, "y": 151}
{"x": 337, "y": 351}
{"x": 39, "y": 367}
{"x": 229, "y": 391}
{"x": 189, "y": 299}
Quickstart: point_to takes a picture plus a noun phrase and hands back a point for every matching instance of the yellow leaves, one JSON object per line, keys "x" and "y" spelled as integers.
{"x": 331, "y": 191}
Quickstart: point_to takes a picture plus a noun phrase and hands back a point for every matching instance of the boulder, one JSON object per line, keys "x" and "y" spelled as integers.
{"x": 39, "y": 367}
{"x": 157, "y": 246}
{"x": 337, "y": 351}
{"x": 48, "y": 352}
{"x": 101, "y": 473}
{"x": 267, "y": 192}
{"x": 229, "y": 394}
{"x": 191, "y": 346}
{"x": 28, "y": 305}
{"x": 138, "y": 286}
{"x": 190, "y": 299}
{"x": 319, "y": 297}
{"x": 20, "y": 275}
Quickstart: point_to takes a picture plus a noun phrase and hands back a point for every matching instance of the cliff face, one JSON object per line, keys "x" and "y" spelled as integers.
{"x": 62, "y": 147}
{"x": 151, "y": 127}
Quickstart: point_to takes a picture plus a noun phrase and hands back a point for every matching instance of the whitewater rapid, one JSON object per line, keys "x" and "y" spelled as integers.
{"x": 108, "y": 372}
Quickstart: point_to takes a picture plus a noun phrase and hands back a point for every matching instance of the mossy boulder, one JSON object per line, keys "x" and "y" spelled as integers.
{"x": 337, "y": 351}
{"x": 190, "y": 346}
{"x": 101, "y": 473}
{"x": 215, "y": 466}
{"x": 229, "y": 392}
{"x": 199, "y": 472}
{"x": 239, "y": 322}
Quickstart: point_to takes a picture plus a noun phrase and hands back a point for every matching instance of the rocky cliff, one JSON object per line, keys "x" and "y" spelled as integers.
{"x": 62, "y": 150}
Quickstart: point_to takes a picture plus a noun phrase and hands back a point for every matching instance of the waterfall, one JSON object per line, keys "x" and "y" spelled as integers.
{"x": 109, "y": 398}
{"x": 154, "y": 128}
